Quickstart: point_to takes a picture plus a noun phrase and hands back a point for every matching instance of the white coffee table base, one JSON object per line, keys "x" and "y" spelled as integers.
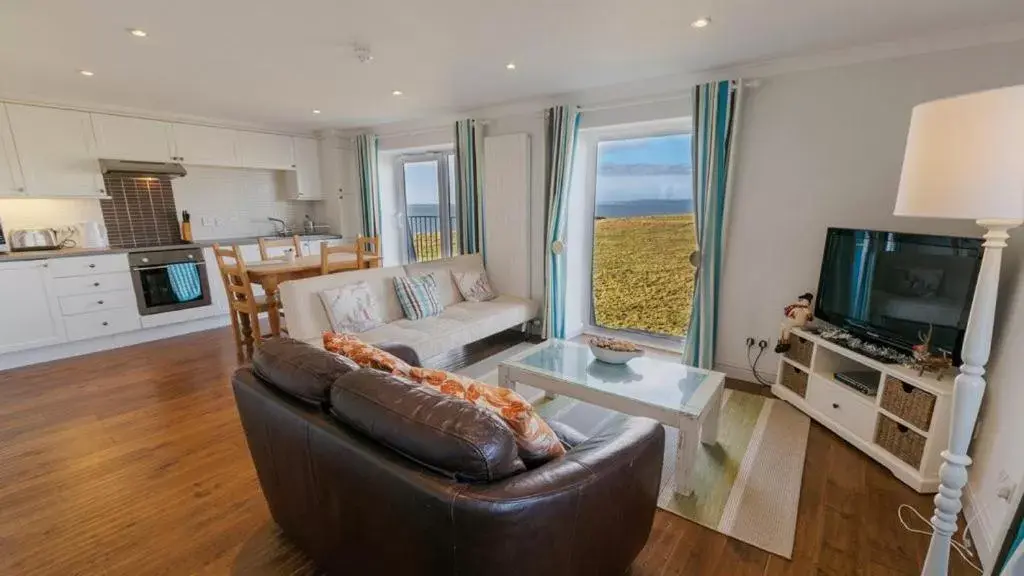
{"x": 703, "y": 429}
{"x": 690, "y": 430}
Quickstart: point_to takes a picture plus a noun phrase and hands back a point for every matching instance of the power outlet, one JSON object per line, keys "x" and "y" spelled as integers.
{"x": 1006, "y": 488}
{"x": 762, "y": 344}
{"x": 750, "y": 342}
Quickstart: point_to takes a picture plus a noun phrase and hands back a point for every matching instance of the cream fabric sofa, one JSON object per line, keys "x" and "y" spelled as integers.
{"x": 460, "y": 323}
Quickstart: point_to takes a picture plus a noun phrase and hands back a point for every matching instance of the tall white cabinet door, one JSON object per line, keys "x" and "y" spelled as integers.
{"x": 270, "y": 151}
{"x": 205, "y": 146}
{"x": 29, "y": 315}
{"x": 123, "y": 138}
{"x": 57, "y": 151}
{"x": 304, "y": 183}
{"x": 11, "y": 182}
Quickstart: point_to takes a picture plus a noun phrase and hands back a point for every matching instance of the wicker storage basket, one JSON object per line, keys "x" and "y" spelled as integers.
{"x": 794, "y": 379}
{"x": 908, "y": 402}
{"x": 900, "y": 441}
{"x": 800, "y": 350}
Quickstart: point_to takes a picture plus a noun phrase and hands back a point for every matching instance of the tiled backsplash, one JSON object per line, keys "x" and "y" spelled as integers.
{"x": 140, "y": 212}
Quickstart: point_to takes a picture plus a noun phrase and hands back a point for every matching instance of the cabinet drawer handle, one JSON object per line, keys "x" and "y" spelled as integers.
{"x": 92, "y": 265}
{"x": 99, "y": 302}
{"x": 836, "y": 406}
{"x": 97, "y": 284}
{"x": 907, "y": 388}
{"x": 106, "y": 323}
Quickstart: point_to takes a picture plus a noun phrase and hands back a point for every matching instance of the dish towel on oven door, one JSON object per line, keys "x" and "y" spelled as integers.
{"x": 185, "y": 281}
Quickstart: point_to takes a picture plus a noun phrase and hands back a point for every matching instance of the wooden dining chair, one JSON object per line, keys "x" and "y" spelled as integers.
{"x": 294, "y": 242}
{"x": 368, "y": 246}
{"x": 243, "y": 306}
{"x": 327, "y": 266}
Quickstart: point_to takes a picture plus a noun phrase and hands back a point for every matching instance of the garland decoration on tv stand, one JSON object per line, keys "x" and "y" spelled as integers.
{"x": 882, "y": 353}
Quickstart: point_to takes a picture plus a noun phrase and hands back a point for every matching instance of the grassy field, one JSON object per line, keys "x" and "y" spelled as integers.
{"x": 643, "y": 279}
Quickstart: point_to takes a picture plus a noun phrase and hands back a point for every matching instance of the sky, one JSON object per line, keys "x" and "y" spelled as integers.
{"x": 673, "y": 150}
{"x": 662, "y": 150}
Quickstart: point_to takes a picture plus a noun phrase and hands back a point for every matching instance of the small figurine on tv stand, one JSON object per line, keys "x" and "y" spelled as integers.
{"x": 925, "y": 361}
{"x": 797, "y": 315}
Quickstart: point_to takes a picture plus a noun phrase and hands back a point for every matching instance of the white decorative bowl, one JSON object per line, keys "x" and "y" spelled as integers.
{"x": 614, "y": 356}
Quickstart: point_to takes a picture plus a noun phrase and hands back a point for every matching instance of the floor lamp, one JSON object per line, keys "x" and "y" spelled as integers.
{"x": 965, "y": 160}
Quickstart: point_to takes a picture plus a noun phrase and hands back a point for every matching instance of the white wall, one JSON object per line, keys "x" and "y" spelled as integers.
{"x": 242, "y": 199}
{"x": 824, "y": 148}
{"x": 50, "y": 213}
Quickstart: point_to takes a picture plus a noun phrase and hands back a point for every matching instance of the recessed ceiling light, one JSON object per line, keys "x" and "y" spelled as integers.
{"x": 397, "y": 93}
{"x": 316, "y": 111}
{"x": 85, "y": 72}
{"x": 510, "y": 66}
{"x": 137, "y": 33}
{"x": 701, "y": 23}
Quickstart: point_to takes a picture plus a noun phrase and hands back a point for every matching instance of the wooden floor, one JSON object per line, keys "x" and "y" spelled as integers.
{"x": 133, "y": 462}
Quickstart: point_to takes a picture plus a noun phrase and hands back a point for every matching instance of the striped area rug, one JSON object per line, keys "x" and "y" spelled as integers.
{"x": 747, "y": 486}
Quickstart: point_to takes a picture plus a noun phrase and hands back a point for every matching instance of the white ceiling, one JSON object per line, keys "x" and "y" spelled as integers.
{"x": 270, "y": 62}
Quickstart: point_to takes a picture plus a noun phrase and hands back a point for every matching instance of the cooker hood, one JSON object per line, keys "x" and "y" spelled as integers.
{"x": 137, "y": 168}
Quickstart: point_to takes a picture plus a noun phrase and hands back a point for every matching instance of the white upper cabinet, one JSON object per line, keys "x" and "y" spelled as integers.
{"x": 270, "y": 151}
{"x": 11, "y": 182}
{"x": 124, "y": 138}
{"x": 56, "y": 151}
{"x": 304, "y": 182}
{"x": 206, "y": 146}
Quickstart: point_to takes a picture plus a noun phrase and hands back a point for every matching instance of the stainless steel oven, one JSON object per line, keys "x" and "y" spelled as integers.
{"x": 169, "y": 280}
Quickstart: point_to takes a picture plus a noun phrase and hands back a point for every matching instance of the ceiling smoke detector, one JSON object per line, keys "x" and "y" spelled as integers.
{"x": 363, "y": 53}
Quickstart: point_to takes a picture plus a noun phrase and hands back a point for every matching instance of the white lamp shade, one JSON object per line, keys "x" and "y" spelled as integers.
{"x": 965, "y": 158}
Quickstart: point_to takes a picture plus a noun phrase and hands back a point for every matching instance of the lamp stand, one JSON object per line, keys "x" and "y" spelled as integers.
{"x": 968, "y": 390}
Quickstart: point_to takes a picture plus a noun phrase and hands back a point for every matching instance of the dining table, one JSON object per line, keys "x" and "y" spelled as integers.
{"x": 271, "y": 273}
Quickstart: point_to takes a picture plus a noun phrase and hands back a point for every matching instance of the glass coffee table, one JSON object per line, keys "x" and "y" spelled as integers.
{"x": 674, "y": 394}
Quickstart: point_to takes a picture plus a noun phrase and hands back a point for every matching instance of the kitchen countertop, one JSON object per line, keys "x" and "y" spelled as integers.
{"x": 73, "y": 252}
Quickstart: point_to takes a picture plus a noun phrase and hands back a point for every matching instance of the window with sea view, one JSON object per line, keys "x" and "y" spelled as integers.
{"x": 643, "y": 235}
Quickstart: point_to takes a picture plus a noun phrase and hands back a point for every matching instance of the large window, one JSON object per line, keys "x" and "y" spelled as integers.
{"x": 643, "y": 234}
{"x": 427, "y": 190}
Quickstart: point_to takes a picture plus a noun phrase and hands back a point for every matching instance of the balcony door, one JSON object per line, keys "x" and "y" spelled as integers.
{"x": 426, "y": 187}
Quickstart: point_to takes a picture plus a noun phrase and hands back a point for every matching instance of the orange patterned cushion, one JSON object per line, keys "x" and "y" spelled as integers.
{"x": 536, "y": 440}
{"x": 365, "y": 355}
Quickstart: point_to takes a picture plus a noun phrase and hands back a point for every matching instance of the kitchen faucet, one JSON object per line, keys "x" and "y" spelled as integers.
{"x": 284, "y": 227}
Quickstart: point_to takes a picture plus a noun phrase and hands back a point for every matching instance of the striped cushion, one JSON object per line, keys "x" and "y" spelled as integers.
{"x": 418, "y": 295}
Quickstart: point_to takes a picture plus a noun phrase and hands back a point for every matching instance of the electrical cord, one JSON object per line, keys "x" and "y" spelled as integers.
{"x": 959, "y": 547}
{"x": 753, "y": 364}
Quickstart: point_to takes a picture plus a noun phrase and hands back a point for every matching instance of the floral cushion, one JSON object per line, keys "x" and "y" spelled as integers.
{"x": 365, "y": 355}
{"x": 474, "y": 286}
{"x": 352, "y": 308}
{"x": 419, "y": 296}
{"x": 536, "y": 440}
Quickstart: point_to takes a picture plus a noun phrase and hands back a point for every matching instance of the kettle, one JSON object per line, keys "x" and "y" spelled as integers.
{"x": 92, "y": 235}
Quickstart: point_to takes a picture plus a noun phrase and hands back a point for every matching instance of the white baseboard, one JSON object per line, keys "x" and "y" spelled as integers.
{"x": 81, "y": 347}
{"x": 744, "y": 373}
{"x": 980, "y": 529}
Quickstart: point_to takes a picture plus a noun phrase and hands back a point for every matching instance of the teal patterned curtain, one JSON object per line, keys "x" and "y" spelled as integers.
{"x": 562, "y": 127}
{"x": 468, "y": 188}
{"x": 715, "y": 106}
{"x": 369, "y": 189}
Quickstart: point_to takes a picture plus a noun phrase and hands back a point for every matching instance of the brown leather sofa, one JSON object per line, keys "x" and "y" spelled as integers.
{"x": 370, "y": 474}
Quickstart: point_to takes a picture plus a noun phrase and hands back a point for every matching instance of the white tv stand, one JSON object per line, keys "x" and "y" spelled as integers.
{"x": 905, "y": 427}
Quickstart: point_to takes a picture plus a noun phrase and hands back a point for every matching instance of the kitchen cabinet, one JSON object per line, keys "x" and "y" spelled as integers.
{"x": 57, "y": 152}
{"x": 124, "y": 138}
{"x": 203, "y": 145}
{"x": 11, "y": 182}
{"x": 304, "y": 183}
{"x": 268, "y": 151}
{"x": 28, "y": 313}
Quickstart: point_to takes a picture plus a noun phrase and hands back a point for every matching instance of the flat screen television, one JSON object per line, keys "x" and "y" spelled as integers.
{"x": 890, "y": 287}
